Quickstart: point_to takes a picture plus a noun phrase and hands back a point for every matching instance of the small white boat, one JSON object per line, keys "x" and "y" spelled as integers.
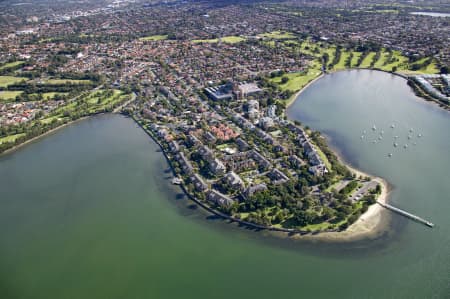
{"x": 392, "y": 126}
{"x": 390, "y": 155}
{"x": 362, "y": 136}
{"x": 395, "y": 144}
{"x": 374, "y": 128}
{"x": 420, "y": 135}
{"x": 374, "y": 141}
{"x": 382, "y": 132}
{"x": 411, "y": 130}
{"x": 364, "y": 132}
{"x": 405, "y": 146}
{"x": 380, "y": 137}
{"x": 409, "y": 136}
{"x": 395, "y": 137}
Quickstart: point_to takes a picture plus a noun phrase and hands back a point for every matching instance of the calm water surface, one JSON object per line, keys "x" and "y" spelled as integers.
{"x": 89, "y": 212}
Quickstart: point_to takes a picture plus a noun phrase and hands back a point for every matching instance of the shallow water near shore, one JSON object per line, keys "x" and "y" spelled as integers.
{"x": 89, "y": 212}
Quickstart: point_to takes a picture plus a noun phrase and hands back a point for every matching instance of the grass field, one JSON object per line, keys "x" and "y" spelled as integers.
{"x": 356, "y": 56}
{"x": 297, "y": 80}
{"x": 9, "y": 95}
{"x": 308, "y": 47}
{"x": 225, "y": 39}
{"x": 401, "y": 62}
{"x": 429, "y": 69}
{"x": 50, "y": 95}
{"x": 11, "y": 64}
{"x": 96, "y": 97}
{"x": 8, "y": 80}
{"x": 10, "y": 138}
{"x": 277, "y": 35}
{"x": 341, "y": 64}
{"x": 66, "y": 81}
{"x": 94, "y": 102}
{"x": 367, "y": 60}
{"x": 153, "y": 38}
{"x": 380, "y": 64}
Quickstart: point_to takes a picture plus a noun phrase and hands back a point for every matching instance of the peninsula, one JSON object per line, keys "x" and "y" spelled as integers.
{"x": 235, "y": 154}
{"x": 212, "y": 90}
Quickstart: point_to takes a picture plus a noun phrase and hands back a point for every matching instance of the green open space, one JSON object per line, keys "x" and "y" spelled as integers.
{"x": 11, "y": 65}
{"x": 381, "y": 62}
{"x": 225, "y": 39}
{"x": 8, "y": 80}
{"x": 398, "y": 60}
{"x": 277, "y": 35}
{"x": 299, "y": 79}
{"x": 50, "y": 95}
{"x": 10, "y": 138}
{"x": 355, "y": 58}
{"x": 153, "y": 38}
{"x": 9, "y": 95}
{"x": 428, "y": 69}
{"x": 98, "y": 97}
{"x": 341, "y": 64}
{"x": 367, "y": 60}
{"x": 66, "y": 81}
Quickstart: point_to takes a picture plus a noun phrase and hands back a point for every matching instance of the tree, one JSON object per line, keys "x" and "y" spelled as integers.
{"x": 284, "y": 80}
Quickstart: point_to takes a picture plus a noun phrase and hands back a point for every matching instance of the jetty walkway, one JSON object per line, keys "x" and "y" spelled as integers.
{"x": 406, "y": 214}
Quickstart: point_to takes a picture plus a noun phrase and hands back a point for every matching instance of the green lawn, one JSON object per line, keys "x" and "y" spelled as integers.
{"x": 307, "y": 47}
{"x": 429, "y": 69}
{"x": 96, "y": 97}
{"x": 153, "y": 38}
{"x": 367, "y": 60}
{"x": 11, "y": 64}
{"x": 8, "y": 80}
{"x": 278, "y": 35}
{"x": 400, "y": 61}
{"x": 225, "y": 39}
{"x": 10, "y": 138}
{"x": 317, "y": 227}
{"x": 50, "y": 95}
{"x": 330, "y": 50}
{"x": 66, "y": 81}
{"x": 9, "y": 95}
{"x": 382, "y": 60}
{"x": 355, "y": 58}
{"x": 341, "y": 64}
{"x": 98, "y": 102}
{"x": 297, "y": 80}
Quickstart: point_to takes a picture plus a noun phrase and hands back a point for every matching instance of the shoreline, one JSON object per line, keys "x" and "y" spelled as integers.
{"x": 18, "y": 146}
{"x": 423, "y": 95}
{"x": 369, "y": 224}
{"x": 294, "y": 97}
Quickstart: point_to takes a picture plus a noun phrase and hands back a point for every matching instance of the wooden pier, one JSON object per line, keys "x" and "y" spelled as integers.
{"x": 406, "y": 214}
